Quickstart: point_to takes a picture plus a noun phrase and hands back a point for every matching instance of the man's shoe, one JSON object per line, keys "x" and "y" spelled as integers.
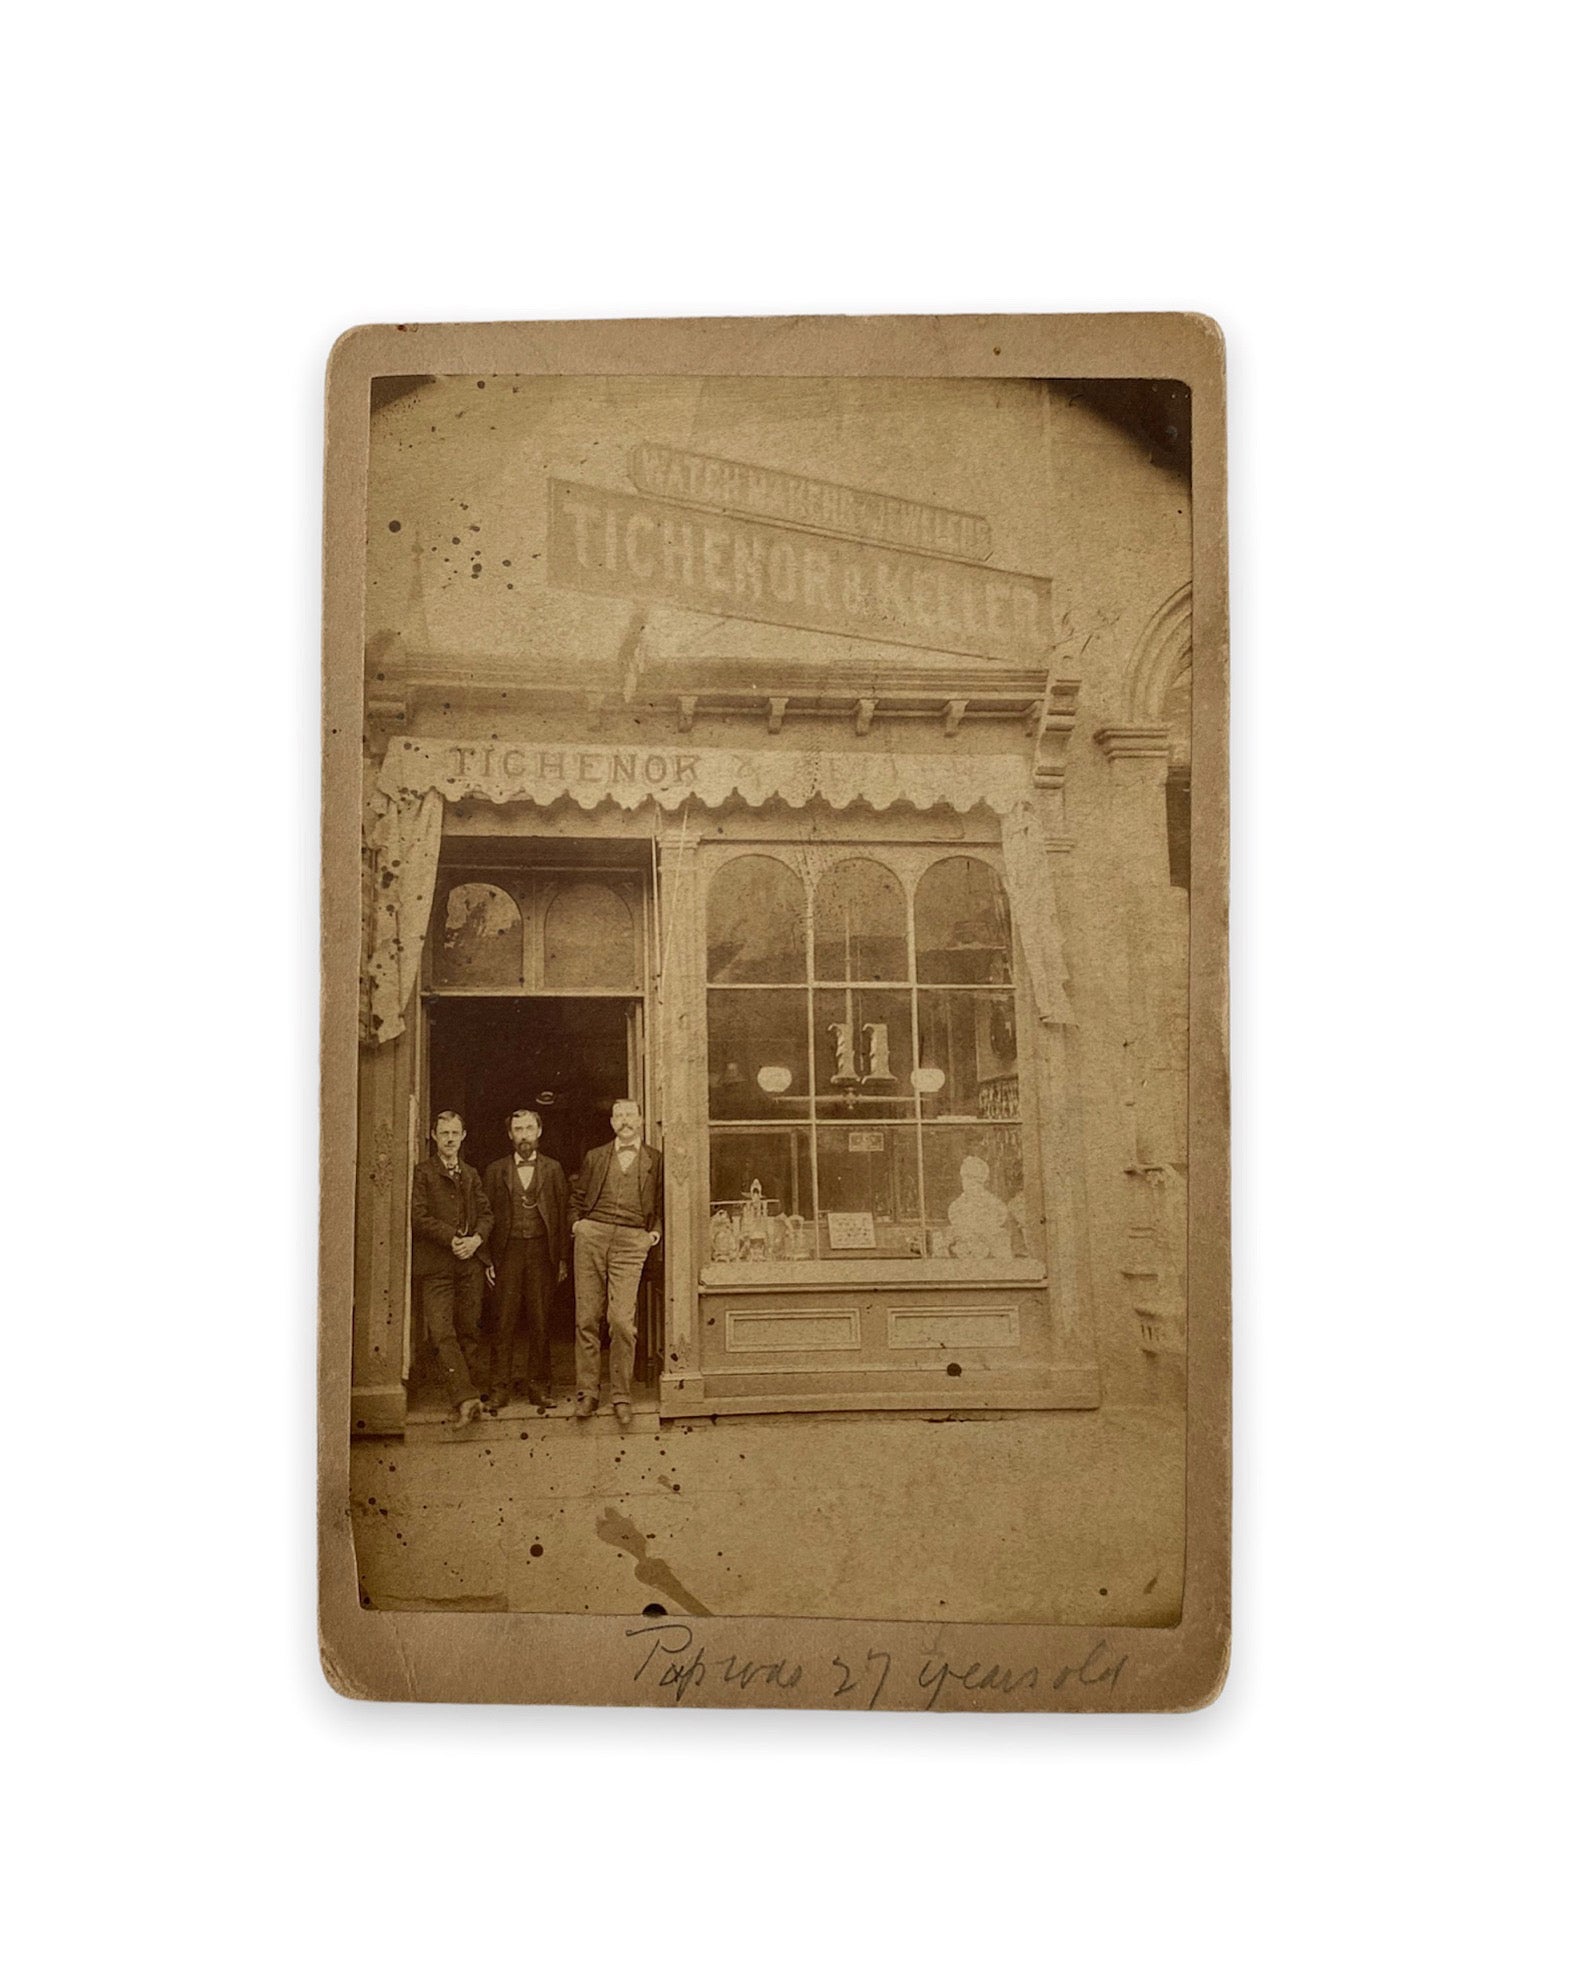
{"x": 585, "y": 1405}
{"x": 540, "y": 1397}
{"x": 623, "y": 1413}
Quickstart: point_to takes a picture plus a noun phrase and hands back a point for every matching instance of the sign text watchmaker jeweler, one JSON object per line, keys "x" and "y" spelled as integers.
{"x": 760, "y": 492}
{"x": 646, "y": 549}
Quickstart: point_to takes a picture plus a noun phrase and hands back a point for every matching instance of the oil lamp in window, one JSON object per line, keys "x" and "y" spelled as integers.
{"x": 754, "y": 1231}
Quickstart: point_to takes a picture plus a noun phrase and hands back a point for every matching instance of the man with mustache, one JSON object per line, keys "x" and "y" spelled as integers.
{"x": 529, "y": 1199}
{"x": 616, "y": 1221}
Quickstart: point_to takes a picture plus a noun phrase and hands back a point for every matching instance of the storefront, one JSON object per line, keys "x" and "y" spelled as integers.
{"x": 811, "y": 892}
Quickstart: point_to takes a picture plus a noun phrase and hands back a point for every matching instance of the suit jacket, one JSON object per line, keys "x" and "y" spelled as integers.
{"x": 552, "y": 1199}
{"x": 592, "y": 1179}
{"x": 441, "y": 1210}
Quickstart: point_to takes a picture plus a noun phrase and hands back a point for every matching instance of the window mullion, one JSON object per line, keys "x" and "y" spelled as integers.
{"x": 809, "y": 1034}
{"x": 913, "y": 1046}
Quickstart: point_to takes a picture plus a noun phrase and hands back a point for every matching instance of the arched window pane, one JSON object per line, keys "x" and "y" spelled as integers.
{"x": 589, "y": 942}
{"x": 755, "y": 923}
{"x": 962, "y": 927}
{"x": 481, "y": 939}
{"x": 861, "y": 925}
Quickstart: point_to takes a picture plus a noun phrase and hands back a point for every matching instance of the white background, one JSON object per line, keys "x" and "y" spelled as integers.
{"x": 1368, "y": 200}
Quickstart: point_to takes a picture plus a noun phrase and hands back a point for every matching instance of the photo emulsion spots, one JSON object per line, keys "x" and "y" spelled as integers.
{"x": 769, "y": 1177}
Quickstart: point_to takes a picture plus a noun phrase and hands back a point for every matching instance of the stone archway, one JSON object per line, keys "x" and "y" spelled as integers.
{"x": 1161, "y": 655}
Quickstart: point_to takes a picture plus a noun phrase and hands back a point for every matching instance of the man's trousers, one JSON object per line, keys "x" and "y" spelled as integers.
{"x": 524, "y": 1298}
{"x": 451, "y": 1306}
{"x": 608, "y": 1260}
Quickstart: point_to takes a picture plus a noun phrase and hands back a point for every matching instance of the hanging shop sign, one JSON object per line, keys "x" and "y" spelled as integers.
{"x": 618, "y": 543}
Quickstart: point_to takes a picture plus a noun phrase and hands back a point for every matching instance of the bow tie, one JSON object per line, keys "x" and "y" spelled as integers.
{"x": 524, "y": 1160}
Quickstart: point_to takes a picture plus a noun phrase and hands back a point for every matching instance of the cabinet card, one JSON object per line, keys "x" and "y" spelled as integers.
{"x": 774, "y": 1004}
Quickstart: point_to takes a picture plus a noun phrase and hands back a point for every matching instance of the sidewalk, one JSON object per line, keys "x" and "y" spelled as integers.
{"x": 1068, "y": 1517}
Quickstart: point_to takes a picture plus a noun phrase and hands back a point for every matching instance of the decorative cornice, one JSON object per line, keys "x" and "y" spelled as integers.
{"x": 1133, "y": 741}
{"x": 1054, "y": 735}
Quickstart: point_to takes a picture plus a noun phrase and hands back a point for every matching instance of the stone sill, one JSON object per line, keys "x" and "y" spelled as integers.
{"x": 829, "y": 1274}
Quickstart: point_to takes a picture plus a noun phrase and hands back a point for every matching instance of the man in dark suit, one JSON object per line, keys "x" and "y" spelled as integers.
{"x": 449, "y": 1223}
{"x": 616, "y": 1221}
{"x": 528, "y": 1195}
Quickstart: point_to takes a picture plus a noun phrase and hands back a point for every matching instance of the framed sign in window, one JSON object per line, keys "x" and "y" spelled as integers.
{"x": 850, "y": 1229}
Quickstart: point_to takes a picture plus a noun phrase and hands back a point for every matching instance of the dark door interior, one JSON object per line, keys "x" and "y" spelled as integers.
{"x": 569, "y": 1059}
{"x": 566, "y": 1057}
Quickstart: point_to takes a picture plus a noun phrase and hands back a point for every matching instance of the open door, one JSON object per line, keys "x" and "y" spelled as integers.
{"x": 648, "y": 1330}
{"x": 569, "y": 1059}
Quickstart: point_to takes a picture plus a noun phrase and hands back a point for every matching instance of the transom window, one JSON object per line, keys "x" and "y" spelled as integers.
{"x": 537, "y": 931}
{"x": 862, "y": 1060}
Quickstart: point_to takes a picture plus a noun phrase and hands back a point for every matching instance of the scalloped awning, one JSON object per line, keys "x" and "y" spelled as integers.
{"x": 403, "y": 831}
{"x": 669, "y": 775}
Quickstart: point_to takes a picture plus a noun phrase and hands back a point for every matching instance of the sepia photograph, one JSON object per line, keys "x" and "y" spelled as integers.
{"x": 855, "y": 1027}
{"x": 771, "y": 1163}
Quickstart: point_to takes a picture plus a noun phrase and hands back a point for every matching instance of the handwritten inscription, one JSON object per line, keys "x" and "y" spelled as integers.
{"x": 680, "y": 1665}
{"x": 976, "y": 1678}
{"x": 672, "y": 1661}
{"x": 1100, "y": 1667}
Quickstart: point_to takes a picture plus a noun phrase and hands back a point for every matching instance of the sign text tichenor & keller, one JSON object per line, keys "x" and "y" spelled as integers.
{"x": 616, "y": 543}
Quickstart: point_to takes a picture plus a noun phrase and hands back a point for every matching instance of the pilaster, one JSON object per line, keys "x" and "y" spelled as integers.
{"x": 1139, "y": 757}
{"x": 1152, "y": 1262}
{"x": 380, "y": 1350}
{"x": 680, "y": 1025}
{"x": 1066, "y": 1195}
{"x": 1059, "y": 1070}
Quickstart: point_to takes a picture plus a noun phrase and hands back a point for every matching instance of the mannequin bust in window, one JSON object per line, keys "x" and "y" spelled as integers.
{"x": 980, "y": 1223}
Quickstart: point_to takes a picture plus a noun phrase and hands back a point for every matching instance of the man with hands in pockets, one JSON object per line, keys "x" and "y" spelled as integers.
{"x": 615, "y": 1221}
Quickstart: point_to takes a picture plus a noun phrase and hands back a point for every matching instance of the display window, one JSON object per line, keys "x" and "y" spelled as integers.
{"x": 862, "y": 1059}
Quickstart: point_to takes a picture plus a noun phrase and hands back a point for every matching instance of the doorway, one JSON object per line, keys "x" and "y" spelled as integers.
{"x": 569, "y": 1059}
